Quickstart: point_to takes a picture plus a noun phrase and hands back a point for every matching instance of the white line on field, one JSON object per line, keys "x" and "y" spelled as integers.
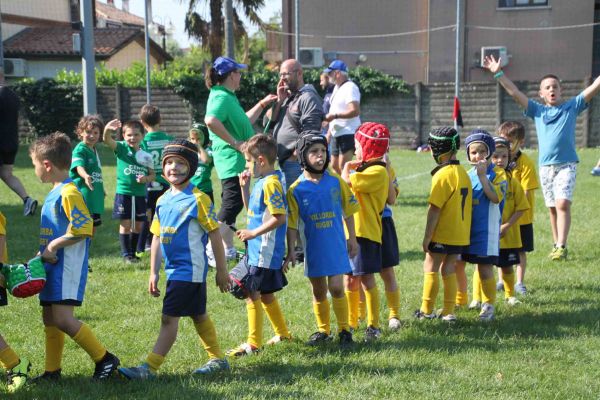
{"x": 404, "y": 178}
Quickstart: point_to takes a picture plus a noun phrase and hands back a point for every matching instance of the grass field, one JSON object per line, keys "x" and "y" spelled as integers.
{"x": 548, "y": 347}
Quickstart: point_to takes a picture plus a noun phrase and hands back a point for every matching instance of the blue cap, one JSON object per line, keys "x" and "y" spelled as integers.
{"x": 336, "y": 65}
{"x": 224, "y": 65}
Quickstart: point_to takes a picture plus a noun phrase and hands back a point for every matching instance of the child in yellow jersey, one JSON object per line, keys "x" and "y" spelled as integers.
{"x": 523, "y": 170}
{"x": 448, "y": 223}
{"x": 370, "y": 183}
{"x": 16, "y": 368}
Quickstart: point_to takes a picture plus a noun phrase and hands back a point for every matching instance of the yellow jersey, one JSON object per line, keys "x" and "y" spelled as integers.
{"x": 4, "y": 254}
{"x": 524, "y": 172}
{"x": 370, "y": 184}
{"x": 514, "y": 200}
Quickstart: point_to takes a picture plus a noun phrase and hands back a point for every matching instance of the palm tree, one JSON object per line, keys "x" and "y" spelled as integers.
{"x": 211, "y": 32}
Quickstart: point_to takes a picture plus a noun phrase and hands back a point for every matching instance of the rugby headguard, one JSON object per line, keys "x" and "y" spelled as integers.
{"x": 204, "y": 130}
{"x": 184, "y": 149}
{"x": 374, "y": 140}
{"x": 481, "y": 136}
{"x": 307, "y": 139}
{"x": 502, "y": 142}
{"x": 442, "y": 141}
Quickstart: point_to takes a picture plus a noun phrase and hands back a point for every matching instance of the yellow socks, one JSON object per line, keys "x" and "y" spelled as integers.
{"x": 393, "y": 303}
{"x": 431, "y": 286}
{"x": 372, "y": 298}
{"x": 488, "y": 290}
{"x": 509, "y": 284}
{"x": 277, "y": 319}
{"x": 86, "y": 339}
{"x": 321, "y": 310}
{"x": 255, "y": 323}
{"x": 208, "y": 337}
{"x": 353, "y": 298}
{"x": 55, "y": 343}
{"x": 340, "y": 309}
{"x": 461, "y": 298}
{"x": 362, "y": 310}
{"x": 154, "y": 361}
{"x": 8, "y": 358}
{"x": 476, "y": 286}
{"x": 450, "y": 290}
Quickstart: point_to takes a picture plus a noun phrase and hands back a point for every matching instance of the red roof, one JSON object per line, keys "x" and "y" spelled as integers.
{"x": 109, "y": 11}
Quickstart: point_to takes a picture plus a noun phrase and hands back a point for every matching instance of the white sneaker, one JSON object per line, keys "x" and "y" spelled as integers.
{"x": 475, "y": 305}
{"x": 487, "y": 312}
{"x": 394, "y": 324}
{"x": 210, "y": 256}
{"x": 512, "y": 301}
{"x": 449, "y": 318}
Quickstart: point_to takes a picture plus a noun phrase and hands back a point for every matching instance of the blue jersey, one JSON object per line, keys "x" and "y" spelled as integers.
{"x": 487, "y": 216}
{"x": 387, "y": 210}
{"x": 182, "y": 221}
{"x": 64, "y": 213}
{"x": 267, "y": 199}
{"x": 317, "y": 211}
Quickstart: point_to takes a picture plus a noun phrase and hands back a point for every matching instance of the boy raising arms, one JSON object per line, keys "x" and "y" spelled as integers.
{"x": 448, "y": 223}
{"x": 555, "y": 127}
{"x": 265, "y": 235}
{"x": 183, "y": 223}
{"x": 65, "y": 232}
{"x": 319, "y": 204}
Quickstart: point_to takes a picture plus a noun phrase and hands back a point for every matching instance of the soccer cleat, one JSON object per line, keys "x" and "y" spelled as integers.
{"x": 394, "y": 324}
{"x": 243, "y": 349}
{"x": 47, "y": 376}
{"x": 213, "y": 365}
{"x": 106, "y": 366}
{"x": 487, "y": 312}
{"x": 421, "y": 315}
{"x": 318, "y": 338}
{"x": 29, "y": 206}
{"x": 475, "y": 305}
{"x": 345, "y": 338}
{"x": 595, "y": 171}
{"x": 500, "y": 286}
{"x": 521, "y": 289}
{"x": 559, "y": 254}
{"x": 278, "y": 339}
{"x": 141, "y": 372}
{"x": 17, "y": 376}
{"x": 512, "y": 301}
{"x": 554, "y": 248}
{"x": 372, "y": 333}
{"x": 448, "y": 318}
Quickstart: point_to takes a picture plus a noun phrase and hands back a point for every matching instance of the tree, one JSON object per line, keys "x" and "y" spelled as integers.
{"x": 211, "y": 31}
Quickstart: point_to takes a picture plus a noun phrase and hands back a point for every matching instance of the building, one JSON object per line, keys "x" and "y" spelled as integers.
{"x": 416, "y": 39}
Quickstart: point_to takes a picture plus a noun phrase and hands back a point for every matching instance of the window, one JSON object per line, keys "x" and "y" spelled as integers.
{"x": 522, "y": 3}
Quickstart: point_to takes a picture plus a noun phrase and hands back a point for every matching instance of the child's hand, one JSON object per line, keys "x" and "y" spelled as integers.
{"x": 426, "y": 242}
{"x": 352, "y": 246}
{"x": 49, "y": 256}
{"x": 290, "y": 258}
{"x": 142, "y": 179}
{"x": 245, "y": 234}
{"x": 89, "y": 182}
{"x": 481, "y": 167}
{"x": 153, "y": 285}
{"x": 113, "y": 125}
{"x": 268, "y": 99}
{"x": 503, "y": 229}
{"x": 492, "y": 64}
{"x": 354, "y": 164}
{"x": 244, "y": 178}
{"x": 222, "y": 280}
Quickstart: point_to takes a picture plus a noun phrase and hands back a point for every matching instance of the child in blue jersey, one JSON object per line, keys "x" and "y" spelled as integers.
{"x": 319, "y": 205}
{"x": 184, "y": 221}
{"x": 65, "y": 232}
{"x": 265, "y": 235}
{"x": 489, "y": 188}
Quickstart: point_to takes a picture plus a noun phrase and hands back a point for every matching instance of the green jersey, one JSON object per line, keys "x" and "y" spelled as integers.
{"x": 128, "y": 170}
{"x": 225, "y": 106}
{"x": 154, "y": 143}
{"x": 86, "y": 157}
{"x": 201, "y": 178}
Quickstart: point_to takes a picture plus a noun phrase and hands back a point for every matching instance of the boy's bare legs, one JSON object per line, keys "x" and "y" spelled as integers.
{"x": 61, "y": 316}
{"x": 563, "y": 221}
{"x": 167, "y": 335}
{"x": 522, "y": 267}
{"x": 6, "y": 174}
{"x": 389, "y": 279}
{"x": 341, "y": 159}
{"x": 553, "y": 224}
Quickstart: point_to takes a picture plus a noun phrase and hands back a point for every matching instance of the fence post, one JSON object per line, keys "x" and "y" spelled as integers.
{"x": 418, "y": 100}
{"x": 586, "y": 116}
{"x": 499, "y": 110}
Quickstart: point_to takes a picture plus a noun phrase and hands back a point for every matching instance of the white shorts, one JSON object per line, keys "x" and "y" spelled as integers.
{"x": 558, "y": 182}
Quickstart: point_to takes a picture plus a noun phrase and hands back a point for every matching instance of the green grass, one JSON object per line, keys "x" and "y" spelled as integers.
{"x": 548, "y": 347}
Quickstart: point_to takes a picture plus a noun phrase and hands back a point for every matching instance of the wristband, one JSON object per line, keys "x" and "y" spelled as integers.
{"x": 335, "y": 116}
{"x": 498, "y": 74}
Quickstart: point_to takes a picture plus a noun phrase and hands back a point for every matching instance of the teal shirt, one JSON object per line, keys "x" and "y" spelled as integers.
{"x": 85, "y": 157}
{"x": 127, "y": 171}
{"x": 225, "y": 106}
{"x": 154, "y": 143}
{"x": 201, "y": 178}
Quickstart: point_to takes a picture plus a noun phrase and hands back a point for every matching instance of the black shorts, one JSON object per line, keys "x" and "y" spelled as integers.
{"x": 368, "y": 259}
{"x": 341, "y": 144}
{"x": 3, "y": 297}
{"x": 475, "y": 259}
{"x": 97, "y": 218}
{"x": 527, "y": 237}
{"x": 67, "y": 302}
{"x": 122, "y": 207}
{"x": 211, "y": 195}
{"x": 508, "y": 258}
{"x": 265, "y": 280}
{"x": 436, "y": 247}
{"x": 153, "y": 195}
{"x": 184, "y": 299}
{"x": 231, "y": 200}
{"x": 8, "y": 157}
{"x": 390, "y": 254}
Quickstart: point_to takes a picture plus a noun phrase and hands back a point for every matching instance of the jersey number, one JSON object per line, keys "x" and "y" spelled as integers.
{"x": 463, "y": 192}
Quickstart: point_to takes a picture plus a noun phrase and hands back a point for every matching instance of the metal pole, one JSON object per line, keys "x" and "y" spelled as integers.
{"x": 297, "y": 29}
{"x": 147, "y": 46}
{"x": 457, "y": 57}
{"x": 88, "y": 58}
{"x": 229, "y": 43}
{"x": 1, "y": 47}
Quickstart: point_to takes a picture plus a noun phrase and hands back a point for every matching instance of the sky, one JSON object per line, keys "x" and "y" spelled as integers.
{"x": 174, "y": 10}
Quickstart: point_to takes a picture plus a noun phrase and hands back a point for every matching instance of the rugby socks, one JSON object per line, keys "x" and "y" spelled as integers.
{"x": 393, "y": 303}
{"x": 373, "y": 303}
{"x": 125, "y": 242}
{"x": 8, "y": 358}
{"x": 275, "y": 315}
{"x": 86, "y": 339}
{"x": 154, "y": 361}
{"x": 208, "y": 337}
{"x": 431, "y": 286}
{"x": 55, "y": 343}
{"x": 340, "y": 309}
{"x": 450, "y": 290}
{"x": 321, "y": 309}
{"x": 140, "y": 244}
{"x": 476, "y": 286}
{"x": 488, "y": 290}
{"x": 362, "y": 310}
{"x": 353, "y": 297}
{"x": 462, "y": 299}
{"x": 255, "y": 323}
{"x": 133, "y": 243}
{"x": 509, "y": 284}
